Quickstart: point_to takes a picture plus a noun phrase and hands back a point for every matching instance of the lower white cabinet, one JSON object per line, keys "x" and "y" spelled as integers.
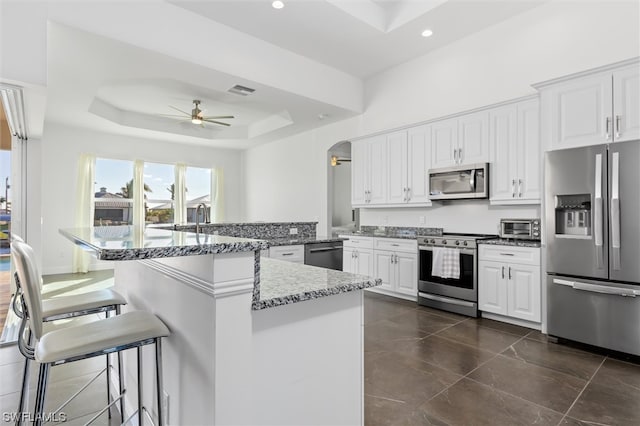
{"x": 398, "y": 271}
{"x": 509, "y": 281}
{"x": 293, "y": 254}
{"x": 357, "y": 260}
{"x": 393, "y": 260}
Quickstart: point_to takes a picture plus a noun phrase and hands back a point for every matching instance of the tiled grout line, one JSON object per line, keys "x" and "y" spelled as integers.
{"x": 583, "y": 389}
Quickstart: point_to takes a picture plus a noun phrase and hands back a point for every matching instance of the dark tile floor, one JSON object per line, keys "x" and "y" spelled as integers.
{"x": 429, "y": 367}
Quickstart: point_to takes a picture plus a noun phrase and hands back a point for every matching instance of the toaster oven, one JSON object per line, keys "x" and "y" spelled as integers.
{"x": 522, "y": 229}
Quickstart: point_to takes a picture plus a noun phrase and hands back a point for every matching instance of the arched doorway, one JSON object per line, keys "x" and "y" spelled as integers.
{"x": 341, "y": 217}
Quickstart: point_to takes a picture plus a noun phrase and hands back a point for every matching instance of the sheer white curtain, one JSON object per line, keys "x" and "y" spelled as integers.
{"x": 217, "y": 195}
{"x": 84, "y": 206}
{"x": 179, "y": 194}
{"x": 138, "y": 193}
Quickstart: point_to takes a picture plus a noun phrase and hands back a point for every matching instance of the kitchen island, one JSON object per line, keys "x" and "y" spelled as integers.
{"x": 254, "y": 341}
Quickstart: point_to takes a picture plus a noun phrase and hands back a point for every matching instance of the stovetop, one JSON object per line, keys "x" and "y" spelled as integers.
{"x": 451, "y": 239}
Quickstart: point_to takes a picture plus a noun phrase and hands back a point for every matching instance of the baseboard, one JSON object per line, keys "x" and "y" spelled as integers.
{"x": 392, "y": 294}
{"x": 514, "y": 321}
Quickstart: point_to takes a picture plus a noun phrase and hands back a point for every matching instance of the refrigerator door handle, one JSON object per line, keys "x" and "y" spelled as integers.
{"x": 595, "y": 288}
{"x": 615, "y": 209}
{"x": 598, "y": 219}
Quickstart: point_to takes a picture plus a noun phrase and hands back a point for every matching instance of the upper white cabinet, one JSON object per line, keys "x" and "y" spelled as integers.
{"x": 461, "y": 140}
{"x": 592, "y": 109}
{"x": 515, "y": 153}
{"x": 369, "y": 171}
{"x": 408, "y": 159}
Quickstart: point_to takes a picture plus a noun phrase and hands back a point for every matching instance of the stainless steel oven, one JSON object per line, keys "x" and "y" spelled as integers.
{"x": 459, "y": 295}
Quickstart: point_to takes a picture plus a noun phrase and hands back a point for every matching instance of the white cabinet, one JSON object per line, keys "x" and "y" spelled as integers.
{"x": 515, "y": 153}
{"x": 461, "y": 140}
{"x": 357, "y": 255}
{"x": 293, "y": 253}
{"x": 408, "y": 159}
{"x": 396, "y": 263}
{"x": 393, "y": 260}
{"x": 369, "y": 171}
{"x": 509, "y": 282}
{"x": 596, "y": 108}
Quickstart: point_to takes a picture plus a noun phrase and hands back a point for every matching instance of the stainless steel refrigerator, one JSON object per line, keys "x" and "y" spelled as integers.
{"x": 592, "y": 211}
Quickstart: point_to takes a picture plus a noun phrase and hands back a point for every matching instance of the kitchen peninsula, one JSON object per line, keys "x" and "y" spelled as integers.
{"x": 254, "y": 341}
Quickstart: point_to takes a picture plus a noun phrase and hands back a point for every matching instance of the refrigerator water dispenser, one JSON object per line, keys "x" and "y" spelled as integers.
{"x": 573, "y": 214}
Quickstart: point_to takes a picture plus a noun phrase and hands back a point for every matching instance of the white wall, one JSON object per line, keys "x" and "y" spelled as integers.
{"x": 501, "y": 62}
{"x": 493, "y": 65}
{"x": 61, "y": 147}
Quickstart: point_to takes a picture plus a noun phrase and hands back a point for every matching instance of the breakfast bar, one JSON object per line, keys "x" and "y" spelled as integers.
{"x": 254, "y": 341}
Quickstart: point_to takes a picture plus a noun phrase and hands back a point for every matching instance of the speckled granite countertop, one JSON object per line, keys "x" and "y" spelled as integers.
{"x": 510, "y": 242}
{"x": 286, "y": 241}
{"x": 283, "y": 283}
{"x": 131, "y": 243}
{"x": 394, "y": 232}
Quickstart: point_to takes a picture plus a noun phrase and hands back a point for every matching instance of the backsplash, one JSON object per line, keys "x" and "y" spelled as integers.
{"x": 400, "y": 231}
{"x": 266, "y": 230}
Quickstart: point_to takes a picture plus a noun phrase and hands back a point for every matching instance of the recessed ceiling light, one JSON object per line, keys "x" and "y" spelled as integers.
{"x": 322, "y": 116}
{"x": 427, "y": 33}
{"x": 277, "y": 4}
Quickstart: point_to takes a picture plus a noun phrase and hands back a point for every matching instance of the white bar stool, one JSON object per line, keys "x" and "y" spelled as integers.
{"x": 113, "y": 334}
{"x": 60, "y": 308}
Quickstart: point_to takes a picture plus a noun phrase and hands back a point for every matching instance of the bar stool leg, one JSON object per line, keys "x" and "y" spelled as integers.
{"x": 159, "y": 384}
{"x": 140, "y": 386}
{"x": 43, "y": 378}
{"x": 24, "y": 392}
{"x": 106, "y": 315}
{"x": 120, "y": 378}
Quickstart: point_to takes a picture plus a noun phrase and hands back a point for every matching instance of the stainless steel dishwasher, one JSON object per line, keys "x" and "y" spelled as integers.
{"x": 324, "y": 255}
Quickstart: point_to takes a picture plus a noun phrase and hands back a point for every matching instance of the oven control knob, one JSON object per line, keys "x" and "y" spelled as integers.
{"x": 465, "y": 243}
{"x": 457, "y": 242}
{"x": 444, "y": 241}
{"x": 433, "y": 241}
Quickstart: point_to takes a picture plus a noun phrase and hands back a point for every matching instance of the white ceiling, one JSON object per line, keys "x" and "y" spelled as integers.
{"x": 113, "y": 86}
{"x": 360, "y": 37}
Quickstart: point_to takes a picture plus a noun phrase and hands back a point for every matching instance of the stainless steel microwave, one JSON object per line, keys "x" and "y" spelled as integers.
{"x": 459, "y": 182}
{"x": 522, "y": 229}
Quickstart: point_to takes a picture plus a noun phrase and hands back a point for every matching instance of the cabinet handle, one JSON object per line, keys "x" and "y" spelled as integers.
{"x": 503, "y": 272}
{"x": 513, "y": 188}
{"x": 287, "y": 254}
{"x": 459, "y": 155}
{"x": 395, "y": 245}
{"x": 455, "y": 156}
{"x": 519, "y": 188}
{"x": 509, "y": 272}
{"x": 618, "y": 118}
{"x": 507, "y": 254}
{"x": 408, "y": 194}
{"x": 607, "y": 125}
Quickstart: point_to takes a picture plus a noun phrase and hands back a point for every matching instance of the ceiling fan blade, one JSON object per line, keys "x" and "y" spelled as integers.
{"x": 171, "y": 115}
{"x": 179, "y": 110}
{"x": 217, "y": 122}
{"x": 214, "y": 117}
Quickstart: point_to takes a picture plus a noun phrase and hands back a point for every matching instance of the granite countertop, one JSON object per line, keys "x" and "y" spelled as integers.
{"x": 401, "y": 235}
{"x": 283, "y": 283}
{"x": 291, "y": 240}
{"x": 132, "y": 243}
{"x": 510, "y": 242}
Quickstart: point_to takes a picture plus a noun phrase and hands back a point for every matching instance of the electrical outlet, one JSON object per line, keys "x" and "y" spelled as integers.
{"x": 422, "y": 220}
{"x": 293, "y": 231}
{"x": 165, "y": 406}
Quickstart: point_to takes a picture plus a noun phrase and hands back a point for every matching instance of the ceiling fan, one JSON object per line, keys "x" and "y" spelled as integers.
{"x": 197, "y": 117}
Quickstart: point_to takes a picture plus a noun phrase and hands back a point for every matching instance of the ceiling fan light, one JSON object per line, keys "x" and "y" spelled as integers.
{"x": 196, "y": 121}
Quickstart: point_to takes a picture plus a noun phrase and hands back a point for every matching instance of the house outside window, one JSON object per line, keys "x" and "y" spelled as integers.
{"x": 198, "y": 183}
{"x": 113, "y": 199}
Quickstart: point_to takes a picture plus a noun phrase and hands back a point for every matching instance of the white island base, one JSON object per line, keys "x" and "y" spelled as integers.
{"x": 226, "y": 364}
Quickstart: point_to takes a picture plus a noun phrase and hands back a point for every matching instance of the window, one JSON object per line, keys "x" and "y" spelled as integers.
{"x": 113, "y": 197}
{"x": 113, "y": 193}
{"x": 198, "y": 183}
{"x": 160, "y": 197}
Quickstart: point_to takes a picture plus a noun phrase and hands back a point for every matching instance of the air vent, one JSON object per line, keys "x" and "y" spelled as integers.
{"x": 241, "y": 90}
